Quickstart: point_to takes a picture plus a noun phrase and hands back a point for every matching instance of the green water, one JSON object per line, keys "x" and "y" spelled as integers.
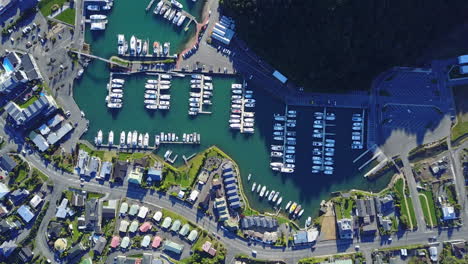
{"x": 251, "y": 152}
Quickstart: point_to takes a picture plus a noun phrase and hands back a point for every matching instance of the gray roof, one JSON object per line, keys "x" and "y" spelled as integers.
{"x": 13, "y": 58}
{"x": 29, "y": 67}
{"x": 57, "y": 119}
{"x": 39, "y": 141}
{"x": 7, "y": 248}
{"x": 7, "y": 163}
{"x": 59, "y": 134}
{"x": 21, "y": 116}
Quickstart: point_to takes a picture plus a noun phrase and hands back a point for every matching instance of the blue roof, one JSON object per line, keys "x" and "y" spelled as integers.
{"x": 25, "y": 212}
{"x": 227, "y": 170}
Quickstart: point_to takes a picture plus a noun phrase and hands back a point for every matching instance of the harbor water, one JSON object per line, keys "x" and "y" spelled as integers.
{"x": 250, "y": 151}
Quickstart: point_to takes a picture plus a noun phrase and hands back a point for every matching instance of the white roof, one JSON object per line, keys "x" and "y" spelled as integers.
{"x": 134, "y": 209}
{"x": 143, "y": 211}
{"x": 280, "y": 77}
{"x": 145, "y": 241}
{"x": 193, "y": 195}
{"x": 123, "y": 226}
{"x": 157, "y": 216}
{"x": 125, "y": 242}
{"x": 3, "y": 190}
{"x": 133, "y": 226}
{"x": 25, "y": 212}
{"x": 463, "y": 59}
{"x": 35, "y": 201}
{"x": 123, "y": 208}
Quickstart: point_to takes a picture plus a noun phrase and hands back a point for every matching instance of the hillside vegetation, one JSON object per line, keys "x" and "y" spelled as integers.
{"x": 340, "y": 45}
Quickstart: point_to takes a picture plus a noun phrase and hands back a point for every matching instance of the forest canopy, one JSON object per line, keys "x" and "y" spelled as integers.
{"x": 336, "y": 45}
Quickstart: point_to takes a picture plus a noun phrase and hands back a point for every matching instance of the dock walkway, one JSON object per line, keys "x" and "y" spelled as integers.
{"x": 150, "y": 5}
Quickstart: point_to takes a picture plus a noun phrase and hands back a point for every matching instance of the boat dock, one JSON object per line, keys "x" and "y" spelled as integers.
{"x": 190, "y": 17}
{"x": 172, "y": 160}
{"x": 202, "y": 98}
{"x": 242, "y": 103}
{"x": 150, "y": 5}
{"x": 186, "y": 159}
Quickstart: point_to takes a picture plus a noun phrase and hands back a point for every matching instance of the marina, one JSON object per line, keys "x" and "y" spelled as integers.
{"x": 201, "y": 92}
{"x": 283, "y": 156}
{"x": 241, "y": 100}
{"x": 324, "y": 145}
{"x": 114, "y": 98}
{"x": 157, "y": 92}
{"x": 136, "y": 47}
{"x": 173, "y": 12}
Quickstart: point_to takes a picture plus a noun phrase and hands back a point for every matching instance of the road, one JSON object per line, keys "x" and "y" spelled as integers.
{"x": 233, "y": 243}
{"x": 459, "y": 180}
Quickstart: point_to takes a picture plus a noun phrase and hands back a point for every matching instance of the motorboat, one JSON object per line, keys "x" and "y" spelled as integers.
{"x": 298, "y": 209}
{"x": 290, "y": 156}
{"x": 287, "y": 205}
{"x": 145, "y": 48}
{"x": 176, "y": 18}
{"x": 292, "y": 208}
{"x": 329, "y": 154}
{"x": 114, "y": 105}
{"x": 158, "y": 7}
{"x": 328, "y": 172}
{"x": 167, "y": 12}
{"x": 132, "y": 45}
{"x": 278, "y": 133}
{"x": 181, "y": 20}
{"x": 115, "y": 95}
{"x": 330, "y": 145}
{"x": 276, "y": 164}
{"x": 357, "y": 128}
{"x": 138, "y": 46}
{"x": 177, "y": 4}
{"x": 318, "y": 126}
{"x": 122, "y": 138}
{"x": 316, "y": 158}
{"x": 300, "y": 213}
{"x": 249, "y": 114}
{"x": 330, "y": 149}
{"x": 356, "y": 119}
{"x": 146, "y": 140}
{"x": 151, "y": 106}
{"x": 262, "y": 192}
{"x": 134, "y": 138}
{"x": 129, "y": 138}
{"x": 116, "y": 90}
{"x": 140, "y": 140}
{"x": 266, "y": 193}
{"x": 356, "y": 138}
{"x": 98, "y": 139}
{"x": 290, "y": 124}
{"x": 93, "y": 8}
{"x": 275, "y": 197}
{"x": 278, "y": 138}
{"x": 276, "y": 147}
{"x": 291, "y": 133}
{"x": 279, "y": 201}
{"x": 253, "y": 186}
{"x": 235, "y": 126}
{"x": 98, "y": 18}
{"x": 271, "y": 195}
{"x": 277, "y": 128}
{"x": 290, "y": 160}
{"x": 328, "y": 140}
{"x": 276, "y": 154}
{"x": 317, "y": 144}
{"x": 150, "y": 96}
{"x": 280, "y": 118}
{"x": 308, "y": 221}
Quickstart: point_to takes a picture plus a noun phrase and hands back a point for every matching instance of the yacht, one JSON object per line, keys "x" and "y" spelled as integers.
{"x": 111, "y": 138}
{"x": 276, "y": 147}
{"x": 249, "y": 114}
{"x": 122, "y": 138}
{"x": 328, "y": 172}
{"x": 292, "y": 208}
{"x": 298, "y": 209}
{"x": 177, "y": 4}
{"x": 279, "y": 201}
{"x": 271, "y": 195}
{"x": 267, "y": 192}
{"x": 329, "y": 140}
{"x": 278, "y": 138}
{"x": 181, "y": 20}
{"x": 167, "y": 12}
{"x": 134, "y": 138}
{"x": 93, "y": 8}
{"x": 98, "y": 139}
{"x": 140, "y": 140}
{"x": 317, "y": 144}
{"x": 98, "y": 26}
{"x": 146, "y": 140}
{"x": 145, "y": 48}
{"x": 275, "y": 197}
{"x": 157, "y": 140}
{"x": 156, "y": 48}
{"x": 300, "y": 213}
{"x": 129, "y": 138}
{"x": 308, "y": 221}
{"x": 357, "y": 119}
{"x": 172, "y": 14}
{"x": 132, "y": 45}
{"x": 287, "y": 205}
{"x": 138, "y": 46}
{"x": 276, "y": 154}
{"x": 291, "y": 147}
{"x": 176, "y": 18}
{"x": 258, "y": 188}
{"x": 278, "y": 133}
{"x": 253, "y": 186}
{"x": 120, "y": 39}
{"x": 167, "y": 45}
{"x": 98, "y": 18}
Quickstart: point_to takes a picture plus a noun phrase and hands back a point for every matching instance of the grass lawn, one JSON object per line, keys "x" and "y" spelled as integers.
{"x": 338, "y": 212}
{"x": 460, "y": 93}
{"x": 29, "y": 102}
{"x": 92, "y": 195}
{"x": 97, "y": 153}
{"x": 40, "y": 174}
{"x": 45, "y": 6}
{"x": 22, "y": 174}
{"x": 407, "y": 211}
{"x": 429, "y": 212}
{"x": 67, "y": 16}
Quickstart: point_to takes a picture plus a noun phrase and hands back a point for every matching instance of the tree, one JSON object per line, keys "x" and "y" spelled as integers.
{"x": 404, "y": 221}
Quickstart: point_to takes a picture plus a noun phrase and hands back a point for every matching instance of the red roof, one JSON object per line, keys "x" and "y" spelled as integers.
{"x": 156, "y": 242}
{"x": 206, "y": 246}
{"x": 145, "y": 227}
{"x": 115, "y": 241}
{"x": 212, "y": 252}
{"x": 138, "y": 261}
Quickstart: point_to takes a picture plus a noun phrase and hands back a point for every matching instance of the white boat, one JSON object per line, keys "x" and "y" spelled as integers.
{"x": 93, "y": 8}
{"x": 150, "y": 101}
{"x": 172, "y": 14}
{"x": 287, "y": 170}
{"x": 279, "y": 201}
{"x": 275, "y": 197}
{"x": 116, "y": 90}
{"x": 98, "y": 26}
{"x": 146, "y": 140}
{"x": 308, "y": 221}
{"x": 145, "y": 48}
{"x": 97, "y": 18}
{"x": 181, "y": 20}
{"x": 176, "y": 18}
{"x": 111, "y": 138}
{"x": 157, "y": 140}
{"x": 140, "y": 140}
{"x": 165, "y": 76}
{"x": 122, "y": 138}
{"x": 287, "y": 205}
{"x": 114, "y": 105}
{"x": 163, "y": 9}
{"x": 134, "y": 138}
{"x": 177, "y": 4}
{"x": 129, "y": 138}
{"x": 167, "y": 12}
{"x": 98, "y": 139}
{"x": 271, "y": 195}
{"x": 258, "y": 188}
{"x": 253, "y": 186}
{"x": 262, "y": 192}
{"x": 248, "y": 177}
{"x": 165, "y": 97}
{"x": 150, "y": 86}
{"x": 300, "y": 213}
{"x": 151, "y": 106}
{"x": 115, "y": 95}
{"x": 166, "y": 47}
{"x": 138, "y": 46}
{"x": 132, "y": 45}
{"x": 158, "y": 7}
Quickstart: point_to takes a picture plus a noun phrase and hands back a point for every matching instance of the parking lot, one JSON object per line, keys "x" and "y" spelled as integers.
{"x": 410, "y": 84}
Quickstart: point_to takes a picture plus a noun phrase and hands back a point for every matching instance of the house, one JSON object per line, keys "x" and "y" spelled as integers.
{"x": 156, "y": 242}
{"x": 120, "y": 171}
{"x": 145, "y": 227}
{"x": 173, "y": 247}
{"x": 109, "y": 209}
{"x": 184, "y": 230}
{"x": 93, "y": 215}
{"x": 134, "y": 209}
{"x": 133, "y": 226}
{"x": 193, "y": 196}
{"x": 136, "y": 175}
{"x": 25, "y": 254}
{"x": 75, "y": 253}
{"x": 35, "y": 201}
{"x": 304, "y": 237}
{"x": 106, "y": 170}
{"x": 29, "y": 66}
{"x": 365, "y": 211}
{"x": 125, "y": 242}
{"x": 92, "y": 168}
{"x": 62, "y": 209}
{"x": 143, "y": 212}
{"x": 78, "y": 199}
{"x": 43, "y": 106}
{"x": 115, "y": 242}
{"x": 263, "y": 222}
{"x": 155, "y": 174}
{"x": 206, "y": 247}
{"x": 123, "y": 226}
{"x": 385, "y": 222}
{"x": 3, "y": 210}
{"x": 44, "y": 129}
{"x": 384, "y": 205}
{"x": 7, "y": 247}
{"x": 3, "y": 190}
{"x": 345, "y": 228}
{"x": 123, "y": 208}
{"x": 145, "y": 241}
{"x": 192, "y": 236}
{"x": 157, "y": 216}
{"x": 6, "y": 226}
{"x": 54, "y": 121}
{"x": 448, "y": 213}
{"x": 54, "y": 229}
{"x": 100, "y": 244}
{"x": 166, "y": 222}
{"x": 220, "y": 205}
{"x": 25, "y": 212}
{"x": 18, "y": 195}
{"x": 459, "y": 249}
{"x": 7, "y": 163}
{"x": 175, "y": 226}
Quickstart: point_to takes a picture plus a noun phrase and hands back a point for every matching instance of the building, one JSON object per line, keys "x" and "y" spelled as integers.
{"x": 43, "y": 106}
{"x": 125, "y": 242}
{"x": 184, "y": 230}
{"x": 18, "y": 195}
{"x": 156, "y": 242}
{"x": 56, "y": 136}
{"x": 221, "y": 209}
{"x": 4, "y": 190}
{"x": 100, "y": 245}
{"x": 463, "y": 59}
{"x": 176, "y": 226}
{"x": 120, "y": 171}
{"x": 155, "y": 174}
{"x": 82, "y": 162}
{"x": 223, "y": 31}
{"x": 173, "y": 247}
{"x": 6, "y": 226}
{"x": 345, "y": 228}
{"x": 62, "y": 209}
{"x": 38, "y": 140}
{"x": 166, "y": 222}
{"x": 385, "y": 222}
{"x": 35, "y": 201}
{"x": 157, "y": 216}
{"x": 54, "y": 121}
{"x": 304, "y": 237}
{"x": 261, "y": 222}
{"x": 145, "y": 241}
{"x": 7, "y": 247}
{"x": 75, "y": 253}
{"x": 192, "y": 236}
{"x": 145, "y": 227}
{"x": 207, "y": 248}
{"x": 7, "y": 163}
{"x": 384, "y": 205}
{"x": 136, "y": 175}
{"x": 92, "y": 169}
{"x": 133, "y": 226}
{"x": 193, "y": 196}
{"x": 106, "y": 170}
{"x": 448, "y": 213}
{"x": 123, "y": 208}
{"x": 134, "y": 209}
{"x": 280, "y": 77}
{"x": 93, "y": 216}
{"x": 109, "y": 209}
{"x": 115, "y": 242}
{"x": 365, "y": 211}
{"x": 25, "y": 212}
{"x": 5, "y": 5}
{"x": 78, "y": 199}
{"x": 25, "y": 254}
{"x": 123, "y": 226}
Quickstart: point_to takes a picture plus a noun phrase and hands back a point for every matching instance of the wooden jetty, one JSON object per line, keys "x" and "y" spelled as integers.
{"x": 149, "y": 5}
